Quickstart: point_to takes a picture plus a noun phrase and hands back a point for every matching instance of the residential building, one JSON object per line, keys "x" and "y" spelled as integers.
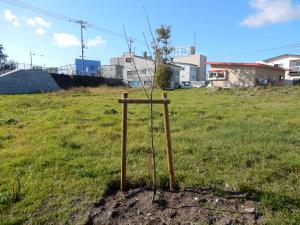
{"x": 291, "y": 63}
{"x": 117, "y": 61}
{"x": 87, "y": 67}
{"x": 112, "y": 71}
{"x": 228, "y": 75}
{"x": 198, "y": 60}
{"x": 67, "y": 70}
{"x": 138, "y": 70}
{"x": 188, "y": 74}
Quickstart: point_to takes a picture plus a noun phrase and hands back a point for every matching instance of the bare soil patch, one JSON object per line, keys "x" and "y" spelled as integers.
{"x": 179, "y": 207}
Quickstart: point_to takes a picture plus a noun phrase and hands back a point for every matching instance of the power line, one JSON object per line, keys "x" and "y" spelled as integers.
{"x": 66, "y": 18}
{"x": 38, "y": 10}
{"x": 287, "y": 47}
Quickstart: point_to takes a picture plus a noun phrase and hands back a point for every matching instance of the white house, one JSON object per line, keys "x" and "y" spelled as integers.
{"x": 139, "y": 70}
{"x": 188, "y": 74}
{"x": 287, "y": 61}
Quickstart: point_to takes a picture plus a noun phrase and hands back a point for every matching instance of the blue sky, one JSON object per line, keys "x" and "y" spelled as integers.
{"x": 227, "y": 30}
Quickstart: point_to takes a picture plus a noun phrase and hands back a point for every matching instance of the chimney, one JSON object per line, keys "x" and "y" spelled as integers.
{"x": 145, "y": 55}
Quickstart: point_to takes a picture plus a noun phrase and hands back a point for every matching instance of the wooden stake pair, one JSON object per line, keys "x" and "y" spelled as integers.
{"x": 165, "y": 101}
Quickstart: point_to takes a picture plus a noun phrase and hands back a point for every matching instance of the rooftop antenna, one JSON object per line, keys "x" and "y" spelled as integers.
{"x": 195, "y": 39}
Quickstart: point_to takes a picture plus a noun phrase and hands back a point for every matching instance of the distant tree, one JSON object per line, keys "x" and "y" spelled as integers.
{"x": 10, "y": 65}
{"x": 163, "y": 75}
{"x": 162, "y": 51}
{"x": 3, "y": 57}
{"x": 163, "y": 48}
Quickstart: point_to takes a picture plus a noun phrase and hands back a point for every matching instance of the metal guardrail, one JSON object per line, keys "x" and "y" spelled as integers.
{"x": 66, "y": 70}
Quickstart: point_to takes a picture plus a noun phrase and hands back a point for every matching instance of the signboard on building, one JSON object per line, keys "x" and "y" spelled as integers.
{"x": 90, "y": 67}
{"x": 184, "y": 51}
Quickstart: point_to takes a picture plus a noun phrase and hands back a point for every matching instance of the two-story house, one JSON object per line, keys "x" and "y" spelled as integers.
{"x": 291, "y": 63}
{"x": 139, "y": 70}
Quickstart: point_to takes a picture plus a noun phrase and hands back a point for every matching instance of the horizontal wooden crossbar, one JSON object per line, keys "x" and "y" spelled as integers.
{"x": 144, "y": 101}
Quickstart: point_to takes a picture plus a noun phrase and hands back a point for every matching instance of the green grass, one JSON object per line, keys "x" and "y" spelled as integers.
{"x": 64, "y": 148}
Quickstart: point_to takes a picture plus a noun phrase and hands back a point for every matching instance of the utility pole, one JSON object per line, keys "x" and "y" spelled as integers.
{"x": 30, "y": 60}
{"x": 130, "y": 42}
{"x": 82, "y": 26}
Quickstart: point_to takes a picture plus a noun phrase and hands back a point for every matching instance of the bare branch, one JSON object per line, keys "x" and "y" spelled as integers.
{"x": 134, "y": 65}
{"x": 151, "y": 105}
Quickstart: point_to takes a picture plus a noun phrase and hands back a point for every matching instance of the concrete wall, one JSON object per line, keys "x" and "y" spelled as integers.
{"x": 246, "y": 76}
{"x": 27, "y": 81}
{"x": 236, "y": 77}
{"x": 274, "y": 75}
{"x": 112, "y": 71}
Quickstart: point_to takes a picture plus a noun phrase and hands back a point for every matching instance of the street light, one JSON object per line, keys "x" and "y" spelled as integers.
{"x": 31, "y": 54}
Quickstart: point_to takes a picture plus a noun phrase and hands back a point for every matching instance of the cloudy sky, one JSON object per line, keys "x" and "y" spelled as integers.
{"x": 226, "y": 30}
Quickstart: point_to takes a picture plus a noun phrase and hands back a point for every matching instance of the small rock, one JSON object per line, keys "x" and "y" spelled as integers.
{"x": 217, "y": 200}
{"x": 173, "y": 213}
{"x": 140, "y": 212}
{"x": 113, "y": 214}
{"x": 95, "y": 215}
{"x": 249, "y": 210}
{"x": 132, "y": 204}
{"x": 196, "y": 199}
{"x": 148, "y": 214}
{"x": 117, "y": 205}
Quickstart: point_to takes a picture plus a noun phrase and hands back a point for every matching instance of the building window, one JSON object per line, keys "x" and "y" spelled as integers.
{"x": 295, "y": 66}
{"x": 128, "y": 60}
{"x": 147, "y": 83}
{"x": 279, "y": 65}
{"x": 144, "y": 71}
{"x": 217, "y": 75}
{"x": 263, "y": 82}
{"x": 129, "y": 72}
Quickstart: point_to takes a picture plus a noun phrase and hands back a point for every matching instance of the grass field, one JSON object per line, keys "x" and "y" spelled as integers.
{"x": 64, "y": 149}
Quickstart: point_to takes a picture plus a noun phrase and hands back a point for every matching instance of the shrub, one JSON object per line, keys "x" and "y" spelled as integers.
{"x": 163, "y": 76}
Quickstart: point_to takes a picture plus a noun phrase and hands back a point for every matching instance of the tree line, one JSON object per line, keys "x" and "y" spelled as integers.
{"x": 6, "y": 64}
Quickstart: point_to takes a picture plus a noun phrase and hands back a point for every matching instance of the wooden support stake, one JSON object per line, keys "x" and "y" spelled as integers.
{"x": 144, "y": 101}
{"x": 168, "y": 144}
{"x": 124, "y": 143}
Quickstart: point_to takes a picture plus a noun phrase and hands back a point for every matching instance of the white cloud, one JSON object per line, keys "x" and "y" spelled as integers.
{"x": 10, "y": 17}
{"x": 69, "y": 40}
{"x": 31, "y": 22}
{"x": 38, "y": 21}
{"x": 40, "y": 31}
{"x": 271, "y": 12}
{"x": 65, "y": 40}
{"x": 98, "y": 40}
{"x": 42, "y": 22}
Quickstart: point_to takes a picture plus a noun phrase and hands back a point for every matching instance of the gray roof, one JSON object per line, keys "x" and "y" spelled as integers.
{"x": 281, "y": 57}
{"x": 181, "y": 63}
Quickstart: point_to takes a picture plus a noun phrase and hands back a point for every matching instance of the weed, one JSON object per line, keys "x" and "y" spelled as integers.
{"x": 110, "y": 111}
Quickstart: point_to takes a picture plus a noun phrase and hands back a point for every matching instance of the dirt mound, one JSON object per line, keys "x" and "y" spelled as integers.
{"x": 182, "y": 207}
